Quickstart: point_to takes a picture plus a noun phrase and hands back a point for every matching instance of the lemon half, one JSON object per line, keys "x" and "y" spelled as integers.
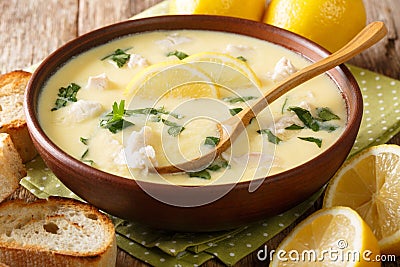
{"x": 370, "y": 184}
{"x": 335, "y": 236}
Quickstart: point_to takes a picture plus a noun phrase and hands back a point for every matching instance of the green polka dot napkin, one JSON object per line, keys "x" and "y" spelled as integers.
{"x": 380, "y": 122}
{"x": 381, "y": 118}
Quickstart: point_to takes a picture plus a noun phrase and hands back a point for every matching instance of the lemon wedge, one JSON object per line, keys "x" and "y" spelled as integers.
{"x": 370, "y": 184}
{"x": 335, "y": 236}
{"x": 228, "y": 71}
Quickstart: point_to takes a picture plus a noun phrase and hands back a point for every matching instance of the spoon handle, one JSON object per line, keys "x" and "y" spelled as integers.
{"x": 370, "y": 35}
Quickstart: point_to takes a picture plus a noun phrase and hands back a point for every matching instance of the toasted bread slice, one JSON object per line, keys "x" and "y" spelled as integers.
{"x": 11, "y": 167}
{"x": 55, "y": 232}
{"x": 12, "y": 116}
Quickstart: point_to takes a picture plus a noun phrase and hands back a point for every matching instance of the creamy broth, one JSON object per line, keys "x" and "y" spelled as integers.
{"x": 75, "y": 127}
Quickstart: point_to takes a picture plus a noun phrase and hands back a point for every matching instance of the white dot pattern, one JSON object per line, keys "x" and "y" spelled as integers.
{"x": 381, "y": 103}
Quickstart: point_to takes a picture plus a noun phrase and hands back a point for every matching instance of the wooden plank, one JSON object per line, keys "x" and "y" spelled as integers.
{"x": 30, "y": 30}
{"x": 384, "y": 57}
{"x": 98, "y": 13}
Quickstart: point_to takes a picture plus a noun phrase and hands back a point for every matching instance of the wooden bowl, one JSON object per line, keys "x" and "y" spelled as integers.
{"x": 125, "y": 198}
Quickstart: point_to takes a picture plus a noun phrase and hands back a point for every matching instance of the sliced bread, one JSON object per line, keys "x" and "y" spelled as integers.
{"x": 55, "y": 232}
{"x": 12, "y": 116}
{"x": 11, "y": 167}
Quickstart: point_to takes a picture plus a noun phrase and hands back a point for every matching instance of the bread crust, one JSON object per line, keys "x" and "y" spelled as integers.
{"x": 14, "y": 84}
{"x": 11, "y": 167}
{"x": 16, "y": 254}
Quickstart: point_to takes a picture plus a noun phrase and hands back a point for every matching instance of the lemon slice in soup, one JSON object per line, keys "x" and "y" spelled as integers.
{"x": 232, "y": 72}
{"x": 172, "y": 79}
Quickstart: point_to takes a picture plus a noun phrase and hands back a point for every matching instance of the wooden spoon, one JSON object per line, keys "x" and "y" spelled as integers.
{"x": 231, "y": 128}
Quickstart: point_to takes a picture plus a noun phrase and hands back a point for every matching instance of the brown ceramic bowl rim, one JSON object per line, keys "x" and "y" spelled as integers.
{"x": 82, "y": 43}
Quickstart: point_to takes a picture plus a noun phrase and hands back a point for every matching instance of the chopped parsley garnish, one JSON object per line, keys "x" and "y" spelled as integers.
{"x": 234, "y": 100}
{"x": 212, "y": 141}
{"x": 84, "y": 140}
{"x": 328, "y": 127}
{"x": 316, "y": 124}
{"x": 119, "y": 57}
{"x": 325, "y": 114}
{"x": 294, "y": 127}
{"x": 242, "y": 58}
{"x": 153, "y": 111}
{"x": 179, "y": 54}
{"x": 218, "y": 164}
{"x": 174, "y": 128}
{"x": 305, "y": 116}
{"x": 317, "y": 141}
{"x": 215, "y": 166}
{"x": 271, "y": 137}
{"x": 65, "y": 95}
{"x": 84, "y": 155}
{"x": 114, "y": 121}
{"x": 204, "y": 174}
{"x": 235, "y": 111}
{"x": 284, "y": 105}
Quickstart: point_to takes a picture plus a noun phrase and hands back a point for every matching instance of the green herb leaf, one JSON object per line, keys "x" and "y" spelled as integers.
{"x": 119, "y": 56}
{"x": 89, "y": 161}
{"x": 294, "y": 127}
{"x": 306, "y": 117}
{"x": 284, "y": 105}
{"x": 155, "y": 118}
{"x": 85, "y": 153}
{"x": 328, "y": 127}
{"x": 83, "y": 158}
{"x": 218, "y": 164}
{"x": 175, "y": 130}
{"x": 317, "y": 141}
{"x": 178, "y": 54}
{"x": 84, "y": 140}
{"x": 325, "y": 114}
{"x": 242, "y": 58}
{"x": 215, "y": 166}
{"x": 114, "y": 121}
{"x": 65, "y": 95}
{"x": 212, "y": 141}
{"x": 234, "y": 100}
{"x": 271, "y": 137}
{"x": 204, "y": 174}
{"x": 169, "y": 123}
{"x": 235, "y": 111}
{"x": 152, "y": 111}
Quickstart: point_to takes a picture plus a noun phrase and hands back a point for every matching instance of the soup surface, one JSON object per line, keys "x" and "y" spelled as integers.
{"x": 154, "y": 98}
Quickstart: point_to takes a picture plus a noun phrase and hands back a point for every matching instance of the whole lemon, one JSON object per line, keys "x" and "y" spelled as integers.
{"x": 248, "y": 9}
{"x": 330, "y": 23}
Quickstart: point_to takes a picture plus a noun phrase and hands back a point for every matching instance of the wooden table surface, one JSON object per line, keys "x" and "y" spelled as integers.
{"x": 31, "y": 29}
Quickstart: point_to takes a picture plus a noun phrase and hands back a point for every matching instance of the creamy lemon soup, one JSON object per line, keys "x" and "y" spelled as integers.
{"x": 155, "y": 98}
